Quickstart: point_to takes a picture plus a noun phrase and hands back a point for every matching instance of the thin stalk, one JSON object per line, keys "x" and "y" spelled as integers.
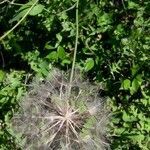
{"x": 68, "y": 9}
{"x": 3, "y": 61}
{"x": 76, "y": 45}
{"x": 19, "y": 22}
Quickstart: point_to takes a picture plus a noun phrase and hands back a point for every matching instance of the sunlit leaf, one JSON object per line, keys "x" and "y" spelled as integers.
{"x": 2, "y": 75}
{"x": 126, "y": 84}
{"x": 61, "y": 52}
{"x": 36, "y": 10}
{"x": 89, "y": 64}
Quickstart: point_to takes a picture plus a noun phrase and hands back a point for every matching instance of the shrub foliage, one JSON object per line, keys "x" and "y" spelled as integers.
{"x": 113, "y": 50}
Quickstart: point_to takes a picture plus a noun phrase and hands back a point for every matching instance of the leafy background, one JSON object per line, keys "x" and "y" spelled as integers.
{"x": 113, "y": 50}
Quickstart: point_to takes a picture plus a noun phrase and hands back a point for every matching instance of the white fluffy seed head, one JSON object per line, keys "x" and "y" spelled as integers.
{"x": 51, "y": 118}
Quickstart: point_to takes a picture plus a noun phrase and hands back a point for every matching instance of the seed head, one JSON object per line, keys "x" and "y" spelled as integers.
{"x": 52, "y": 117}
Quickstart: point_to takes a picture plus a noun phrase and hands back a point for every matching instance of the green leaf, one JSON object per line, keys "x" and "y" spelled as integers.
{"x": 119, "y": 30}
{"x": 59, "y": 37}
{"x": 115, "y": 68}
{"x": 134, "y": 87}
{"x": 104, "y": 19}
{"x": 65, "y": 61}
{"x": 48, "y": 46}
{"x": 132, "y": 5}
{"x": 25, "y": 8}
{"x": 119, "y": 130}
{"x": 137, "y": 137}
{"x": 2, "y": 75}
{"x": 136, "y": 84}
{"x": 36, "y": 10}
{"x": 52, "y": 56}
{"x": 125, "y": 117}
{"x": 44, "y": 68}
{"x": 139, "y": 79}
{"x": 134, "y": 69}
{"x": 126, "y": 84}
{"x": 89, "y": 64}
{"x": 19, "y": 93}
{"x": 19, "y": 14}
{"x": 61, "y": 52}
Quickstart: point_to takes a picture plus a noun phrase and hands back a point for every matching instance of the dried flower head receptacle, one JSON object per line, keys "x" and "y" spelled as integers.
{"x": 52, "y": 118}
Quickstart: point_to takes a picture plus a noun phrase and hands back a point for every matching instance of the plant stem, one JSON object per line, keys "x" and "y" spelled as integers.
{"x": 19, "y": 22}
{"x": 76, "y": 45}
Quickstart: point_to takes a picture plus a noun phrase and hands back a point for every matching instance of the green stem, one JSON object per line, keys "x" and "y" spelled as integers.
{"x": 69, "y": 9}
{"x": 76, "y": 45}
{"x": 19, "y": 22}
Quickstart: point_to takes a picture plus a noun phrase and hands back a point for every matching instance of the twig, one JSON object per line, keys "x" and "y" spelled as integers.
{"x": 19, "y": 22}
